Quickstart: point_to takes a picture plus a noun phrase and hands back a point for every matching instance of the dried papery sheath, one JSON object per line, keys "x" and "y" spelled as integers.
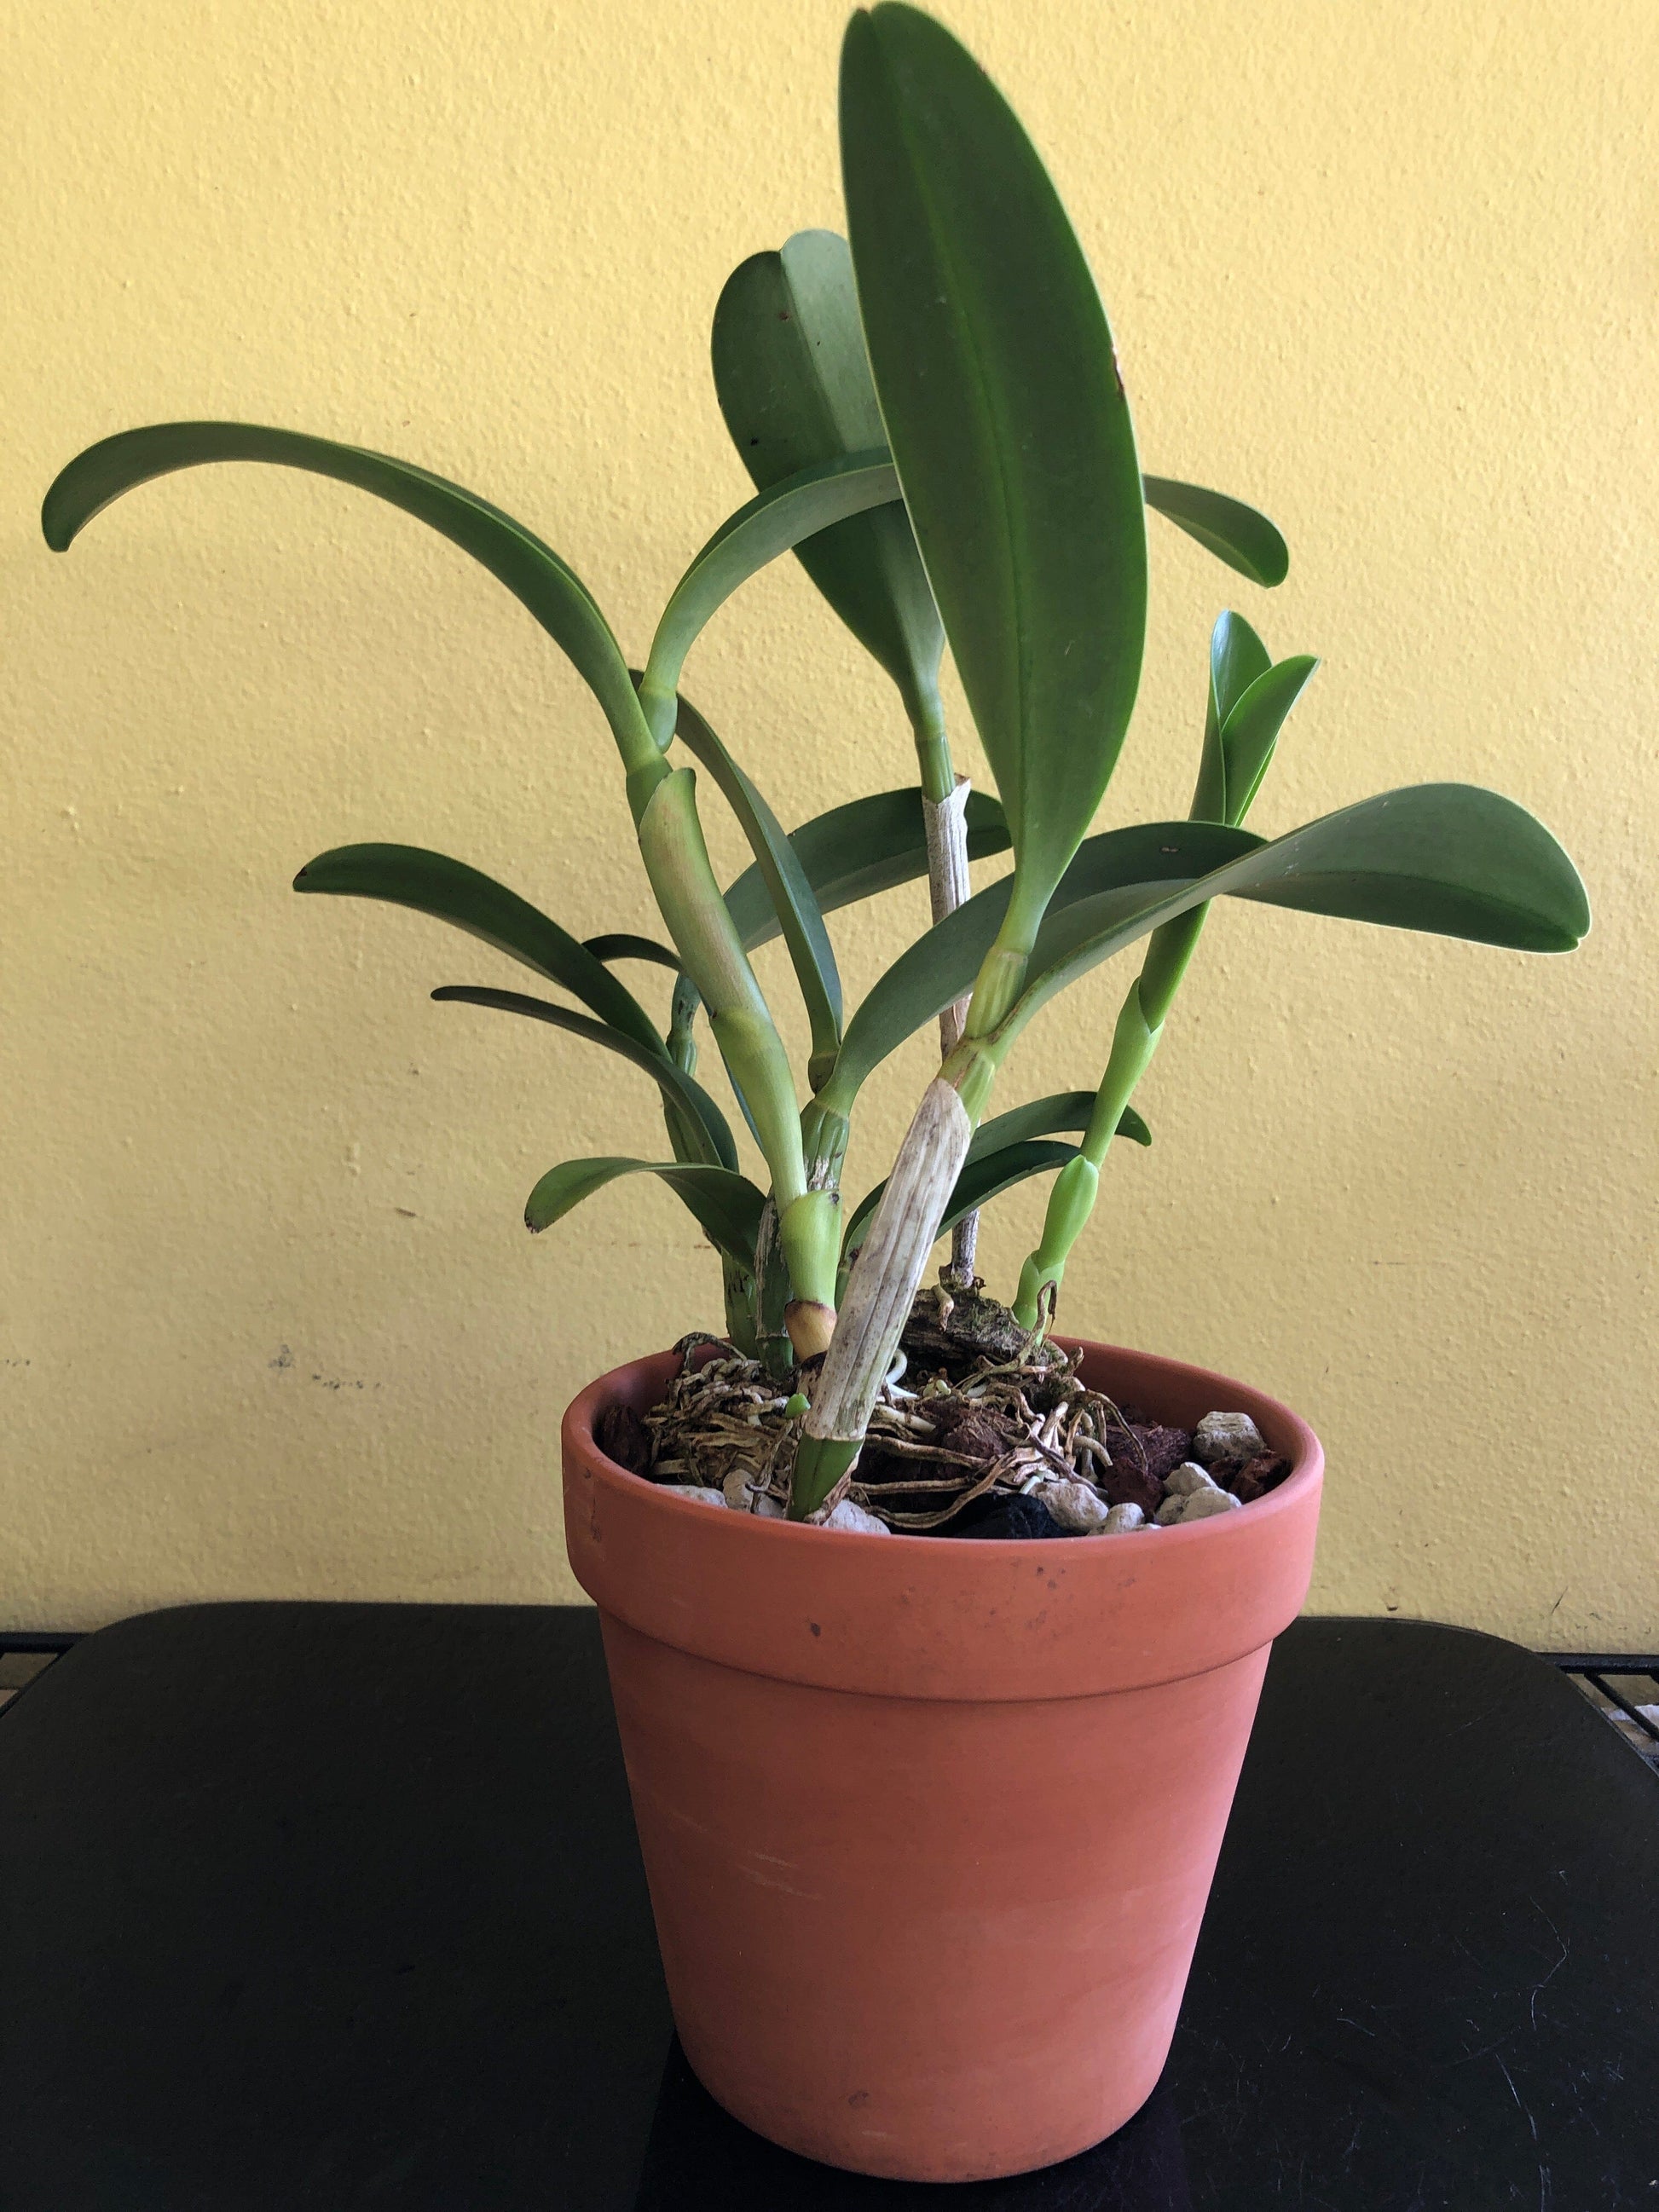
{"x": 946, "y": 825}
{"x": 883, "y": 1283}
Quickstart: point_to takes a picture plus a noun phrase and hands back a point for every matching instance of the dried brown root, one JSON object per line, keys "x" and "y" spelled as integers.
{"x": 943, "y": 1433}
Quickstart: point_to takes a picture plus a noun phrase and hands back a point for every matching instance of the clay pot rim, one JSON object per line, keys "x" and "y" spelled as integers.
{"x": 1284, "y": 1430}
{"x": 991, "y": 1620}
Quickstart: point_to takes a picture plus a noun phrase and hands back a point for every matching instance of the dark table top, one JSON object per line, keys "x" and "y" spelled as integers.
{"x": 340, "y": 1905}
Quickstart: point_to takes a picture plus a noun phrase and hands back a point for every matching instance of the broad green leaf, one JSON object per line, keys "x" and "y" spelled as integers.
{"x": 533, "y": 572}
{"x": 449, "y": 891}
{"x": 983, "y": 1176}
{"x": 794, "y": 908}
{"x": 1136, "y": 863}
{"x": 727, "y": 1206}
{"x": 676, "y": 1086}
{"x": 1252, "y": 727}
{"x": 1448, "y": 858}
{"x": 1046, "y": 1117}
{"x": 1238, "y": 657}
{"x": 625, "y": 946}
{"x": 794, "y": 386}
{"x": 851, "y": 852}
{"x": 1234, "y": 533}
{"x": 772, "y": 523}
{"x": 1006, "y": 418}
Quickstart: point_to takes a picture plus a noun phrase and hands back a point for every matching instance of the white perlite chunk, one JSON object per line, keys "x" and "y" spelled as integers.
{"x": 1204, "y": 1503}
{"x": 1226, "y": 1435}
{"x": 1188, "y": 1477}
{"x": 848, "y": 1515}
{"x": 695, "y": 1491}
{"x": 1074, "y": 1505}
{"x": 1121, "y": 1519}
{"x": 1171, "y": 1511}
{"x": 768, "y": 1508}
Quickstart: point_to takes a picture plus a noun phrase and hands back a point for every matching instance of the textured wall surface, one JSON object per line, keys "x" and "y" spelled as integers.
{"x": 269, "y": 1324}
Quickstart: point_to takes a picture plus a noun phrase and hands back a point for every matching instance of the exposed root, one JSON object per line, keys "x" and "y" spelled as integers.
{"x": 945, "y": 1431}
{"x": 721, "y": 1420}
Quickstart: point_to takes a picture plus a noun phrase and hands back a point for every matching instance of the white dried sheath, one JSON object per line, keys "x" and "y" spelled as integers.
{"x": 889, "y": 1269}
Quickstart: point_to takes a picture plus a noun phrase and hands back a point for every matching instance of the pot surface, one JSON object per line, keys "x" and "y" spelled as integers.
{"x": 929, "y": 1825}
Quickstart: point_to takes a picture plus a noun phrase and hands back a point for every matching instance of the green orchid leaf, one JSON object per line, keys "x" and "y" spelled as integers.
{"x": 1234, "y": 533}
{"x": 795, "y": 910}
{"x": 1047, "y": 1117}
{"x": 699, "y": 1112}
{"x": 992, "y": 1173}
{"x": 449, "y": 891}
{"x": 1448, "y": 858}
{"x": 984, "y": 1177}
{"x": 794, "y": 386}
{"x": 854, "y": 851}
{"x": 533, "y": 572}
{"x": 625, "y": 946}
{"x": 727, "y": 1206}
{"x": 1003, "y": 1153}
{"x": 1238, "y": 657}
{"x": 1137, "y": 864}
{"x": 1252, "y": 727}
{"x": 1006, "y": 418}
{"x": 772, "y": 523}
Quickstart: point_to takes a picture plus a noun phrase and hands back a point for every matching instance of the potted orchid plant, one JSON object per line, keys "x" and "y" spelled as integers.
{"x": 843, "y": 1750}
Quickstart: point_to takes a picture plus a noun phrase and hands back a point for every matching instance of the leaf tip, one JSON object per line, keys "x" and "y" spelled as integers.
{"x": 58, "y": 522}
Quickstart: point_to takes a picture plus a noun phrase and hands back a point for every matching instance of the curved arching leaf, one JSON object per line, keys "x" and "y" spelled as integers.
{"x": 1136, "y": 863}
{"x": 700, "y": 1112}
{"x": 623, "y": 945}
{"x": 531, "y": 571}
{"x": 982, "y": 1178}
{"x": 727, "y": 1206}
{"x": 1047, "y": 1117}
{"x": 1006, "y": 418}
{"x": 774, "y": 522}
{"x": 794, "y": 386}
{"x": 795, "y": 910}
{"x": 1448, "y": 858}
{"x": 1234, "y": 533}
{"x": 854, "y": 851}
{"x": 449, "y": 891}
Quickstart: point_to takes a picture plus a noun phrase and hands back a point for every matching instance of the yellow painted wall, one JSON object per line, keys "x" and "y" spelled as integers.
{"x": 268, "y": 1323}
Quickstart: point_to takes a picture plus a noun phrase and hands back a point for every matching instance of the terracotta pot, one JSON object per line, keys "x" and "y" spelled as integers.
{"x": 929, "y": 1825}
